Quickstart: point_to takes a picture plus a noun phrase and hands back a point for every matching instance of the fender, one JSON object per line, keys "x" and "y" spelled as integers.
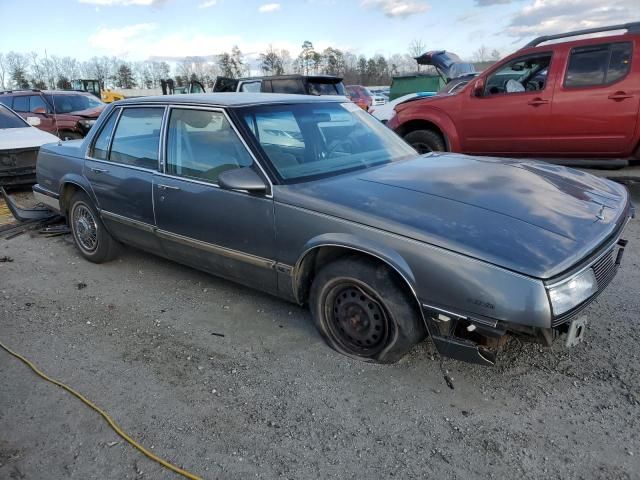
{"x": 79, "y": 181}
{"x": 357, "y": 244}
{"x": 417, "y": 111}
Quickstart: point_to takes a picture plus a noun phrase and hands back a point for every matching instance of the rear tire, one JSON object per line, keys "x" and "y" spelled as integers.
{"x": 425, "y": 141}
{"x": 362, "y": 311}
{"x": 92, "y": 239}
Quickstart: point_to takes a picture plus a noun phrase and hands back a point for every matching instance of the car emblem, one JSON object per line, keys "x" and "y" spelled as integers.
{"x": 600, "y": 215}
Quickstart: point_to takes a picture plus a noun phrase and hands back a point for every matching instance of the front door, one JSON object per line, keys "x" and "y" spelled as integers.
{"x": 595, "y": 109}
{"x": 120, "y": 168}
{"x": 228, "y": 233}
{"x": 512, "y": 115}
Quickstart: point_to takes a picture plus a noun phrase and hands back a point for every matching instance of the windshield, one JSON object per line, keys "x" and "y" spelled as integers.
{"x": 325, "y": 88}
{"x": 8, "y": 119}
{"x": 68, "y": 102}
{"x": 314, "y": 140}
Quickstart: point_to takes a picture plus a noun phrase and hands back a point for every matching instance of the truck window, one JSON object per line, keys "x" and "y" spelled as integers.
{"x": 524, "y": 74}
{"x": 252, "y": 87}
{"x": 598, "y": 64}
{"x": 21, "y": 104}
{"x": 36, "y": 101}
{"x": 137, "y": 137}
{"x": 289, "y": 85}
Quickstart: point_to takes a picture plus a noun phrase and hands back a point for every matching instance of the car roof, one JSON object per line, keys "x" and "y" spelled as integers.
{"x": 292, "y": 76}
{"x": 27, "y": 91}
{"x": 232, "y": 99}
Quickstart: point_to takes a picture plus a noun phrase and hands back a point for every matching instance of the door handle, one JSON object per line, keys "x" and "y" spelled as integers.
{"x": 619, "y": 96}
{"x": 537, "y": 101}
{"x": 99, "y": 170}
{"x": 167, "y": 187}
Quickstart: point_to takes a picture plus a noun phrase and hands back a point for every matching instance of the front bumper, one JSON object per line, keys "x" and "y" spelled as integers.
{"x": 18, "y": 166}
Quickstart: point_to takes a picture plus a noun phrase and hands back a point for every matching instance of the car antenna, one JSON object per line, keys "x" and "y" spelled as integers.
{"x": 53, "y": 103}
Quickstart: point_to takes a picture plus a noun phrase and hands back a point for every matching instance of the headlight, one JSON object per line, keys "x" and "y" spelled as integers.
{"x": 87, "y": 123}
{"x": 573, "y": 292}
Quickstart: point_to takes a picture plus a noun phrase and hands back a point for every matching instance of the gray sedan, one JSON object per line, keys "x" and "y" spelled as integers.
{"x": 313, "y": 200}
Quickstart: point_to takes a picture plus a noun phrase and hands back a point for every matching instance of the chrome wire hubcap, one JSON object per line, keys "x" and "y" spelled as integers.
{"x": 85, "y": 228}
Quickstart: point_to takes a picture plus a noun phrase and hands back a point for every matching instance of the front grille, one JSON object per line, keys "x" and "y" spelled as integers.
{"x": 605, "y": 269}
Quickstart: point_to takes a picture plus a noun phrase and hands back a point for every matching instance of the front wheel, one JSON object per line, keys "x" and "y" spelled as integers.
{"x": 425, "y": 141}
{"x": 363, "y": 311}
{"x": 89, "y": 235}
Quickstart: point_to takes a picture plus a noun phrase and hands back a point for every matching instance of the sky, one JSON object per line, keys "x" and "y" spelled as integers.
{"x": 140, "y": 29}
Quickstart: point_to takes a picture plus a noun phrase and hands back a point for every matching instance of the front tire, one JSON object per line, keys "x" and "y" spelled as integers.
{"x": 425, "y": 141}
{"x": 363, "y": 311}
{"x": 89, "y": 235}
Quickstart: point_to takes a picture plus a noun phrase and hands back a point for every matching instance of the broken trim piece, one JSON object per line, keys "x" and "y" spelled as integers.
{"x": 25, "y": 214}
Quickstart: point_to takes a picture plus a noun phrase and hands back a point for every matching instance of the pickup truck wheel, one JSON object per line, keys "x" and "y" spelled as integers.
{"x": 89, "y": 235}
{"x": 425, "y": 141}
{"x": 361, "y": 311}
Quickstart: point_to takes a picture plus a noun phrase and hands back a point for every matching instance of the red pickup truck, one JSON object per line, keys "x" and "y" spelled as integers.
{"x": 575, "y": 99}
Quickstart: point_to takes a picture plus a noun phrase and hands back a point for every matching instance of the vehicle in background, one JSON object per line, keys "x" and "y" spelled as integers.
{"x": 405, "y": 84}
{"x": 292, "y": 84}
{"x": 386, "y": 111}
{"x": 360, "y": 96}
{"x": 93, "y": 87}
{"x": 19, "y": 145}
{"x": 447, "y": 64}
{"x": 312, "y": 199}
{"x": 575, "y": 100}
{"x": 68, "y": 114}
{"x": 383, "y": 91}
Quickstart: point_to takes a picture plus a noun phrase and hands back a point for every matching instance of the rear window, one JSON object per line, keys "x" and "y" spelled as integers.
{"x": 8, "y": 119}
{"x": 598, "y": 64}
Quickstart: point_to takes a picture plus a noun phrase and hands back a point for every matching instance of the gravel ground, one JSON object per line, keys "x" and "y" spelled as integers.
{"x": 269, "y": 399}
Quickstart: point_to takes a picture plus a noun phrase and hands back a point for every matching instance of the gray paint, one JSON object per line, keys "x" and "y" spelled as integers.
{"x": 475, "y": 236}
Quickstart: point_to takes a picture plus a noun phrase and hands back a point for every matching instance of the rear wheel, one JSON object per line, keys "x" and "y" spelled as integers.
{"x": 362, "y": 311}
{"x": 89, "y": 235}
{"x": 425, "y": 141}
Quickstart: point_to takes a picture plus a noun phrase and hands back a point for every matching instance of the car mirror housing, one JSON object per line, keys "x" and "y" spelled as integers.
{"x": 243, "y": 178}
{"x": 40, "y": 111}
{"x": 478, "y": 88}
{"x": 33, "y": 121}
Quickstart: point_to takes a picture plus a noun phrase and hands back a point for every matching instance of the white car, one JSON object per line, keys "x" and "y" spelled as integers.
{"x": 385, "y": 112}
{"x": 19, "y": 145}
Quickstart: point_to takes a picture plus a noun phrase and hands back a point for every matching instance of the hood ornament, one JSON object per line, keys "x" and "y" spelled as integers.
{"x": 600, "y": 215}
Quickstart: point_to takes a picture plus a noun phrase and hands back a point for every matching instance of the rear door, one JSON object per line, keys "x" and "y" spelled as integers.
{"x": 512, "y": 116}
{"x": 595, "y": 107}
{"x": 120, "y": 166}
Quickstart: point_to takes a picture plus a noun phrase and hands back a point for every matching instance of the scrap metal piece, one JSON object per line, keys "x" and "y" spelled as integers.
{"x": 25, "y": 214}
{"x": 575, "y": 335}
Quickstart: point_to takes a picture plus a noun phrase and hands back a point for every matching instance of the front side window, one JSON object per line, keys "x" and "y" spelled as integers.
{"x": 252, "y": 87}
{"x": 525, "y": 74}
{"x": 202, "y": 144}
{"x": 103, "y": 140}
{"x": 314, "y": 140}
{"x": 598, "y": 64}
{"x": 137, "y": 137}
{"x": 36, "y": 101}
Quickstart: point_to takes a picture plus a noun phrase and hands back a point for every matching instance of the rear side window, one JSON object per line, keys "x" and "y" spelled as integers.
{"x": 137, "y": 137}
{"x": 253, "y": 87}
{"x": 21, "y": 104}
{"x": 6, "y": 101}
{"x": 286, "y": 86}
{"x": 598, "y": 64}
{"x": 101, "y": 145}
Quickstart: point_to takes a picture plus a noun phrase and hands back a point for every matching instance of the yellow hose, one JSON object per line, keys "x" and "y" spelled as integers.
{"x": 109, "y": 420}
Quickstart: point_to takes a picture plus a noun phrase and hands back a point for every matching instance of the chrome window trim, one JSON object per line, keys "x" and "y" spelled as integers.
{"x": 133, "y": 167}
{"x": 269, "y": 193}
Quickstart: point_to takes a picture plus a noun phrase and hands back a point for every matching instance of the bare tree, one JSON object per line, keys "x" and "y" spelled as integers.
{"x": 4, "y": 68}
{"x": 481, "y": 54}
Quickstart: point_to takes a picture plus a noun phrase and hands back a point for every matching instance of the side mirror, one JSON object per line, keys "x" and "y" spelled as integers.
{"x": 478, "y": 88}
{"x": 243, "y": 178}
{"x": 39, "y": 111}
{"x": 33, "y": 121}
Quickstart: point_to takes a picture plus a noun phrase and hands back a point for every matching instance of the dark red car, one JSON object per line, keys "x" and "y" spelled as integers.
{"x": 574, "y": 99}
{"x": 360, "y": 95}
{"x": 68, "y": 114}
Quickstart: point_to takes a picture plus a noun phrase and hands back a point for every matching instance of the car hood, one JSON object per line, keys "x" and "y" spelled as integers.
{"x": 27, "y": 137}
{"x": 88, "y": 113}
{"x": 531, "y": 217}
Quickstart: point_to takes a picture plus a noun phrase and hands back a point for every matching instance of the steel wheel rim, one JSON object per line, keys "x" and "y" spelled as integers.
{"x": 356, "y": 319}
{"x": 85, "y": 228}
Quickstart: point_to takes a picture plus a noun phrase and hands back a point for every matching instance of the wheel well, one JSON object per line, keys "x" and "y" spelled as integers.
{"x": 65, "y": 195}
{"x": 414, "y": 125}
{"x": 315, "y": 259}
